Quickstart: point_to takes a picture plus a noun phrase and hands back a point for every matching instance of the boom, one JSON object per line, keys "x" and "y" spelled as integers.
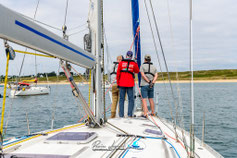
{"x": 18, "y": 29}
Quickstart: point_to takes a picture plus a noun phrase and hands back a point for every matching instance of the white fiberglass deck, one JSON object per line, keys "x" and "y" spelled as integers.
{"x": 108, "y": 142}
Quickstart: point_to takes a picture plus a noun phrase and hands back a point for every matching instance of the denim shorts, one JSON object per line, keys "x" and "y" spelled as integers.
{"x": 147, "y": 92}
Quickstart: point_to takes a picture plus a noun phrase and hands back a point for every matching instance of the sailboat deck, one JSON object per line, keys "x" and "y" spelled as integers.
{"x": 121, "y": 137}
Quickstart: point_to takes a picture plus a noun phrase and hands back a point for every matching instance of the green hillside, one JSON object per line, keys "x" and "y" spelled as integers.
{"x": 198, "y": 75}
{"x": 204, "y": 75}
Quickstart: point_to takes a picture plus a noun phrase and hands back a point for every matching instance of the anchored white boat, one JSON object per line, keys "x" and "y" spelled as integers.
{"x": 97, "y": 137}
{"x": 26, "y": 89}
{"x": 31, "y": 90}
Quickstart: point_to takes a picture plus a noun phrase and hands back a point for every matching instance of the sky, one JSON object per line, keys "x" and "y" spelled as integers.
{"x": 214, "y": 32}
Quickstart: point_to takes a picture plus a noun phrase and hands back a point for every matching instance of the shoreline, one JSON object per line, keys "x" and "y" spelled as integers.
{"x": 173, "y": 81}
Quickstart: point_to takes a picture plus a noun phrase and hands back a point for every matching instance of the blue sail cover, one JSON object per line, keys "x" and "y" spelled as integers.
{"x": 136, "y": 24}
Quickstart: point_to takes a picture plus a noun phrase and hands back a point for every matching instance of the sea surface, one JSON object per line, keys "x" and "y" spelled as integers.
{"x": 217, "y": 100}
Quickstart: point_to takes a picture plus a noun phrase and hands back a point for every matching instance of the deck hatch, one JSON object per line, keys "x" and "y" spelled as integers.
{"x": 76, "y": 137}
{"x": 155, "y": 132}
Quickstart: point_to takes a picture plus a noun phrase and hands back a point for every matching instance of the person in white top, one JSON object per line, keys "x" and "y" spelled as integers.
{"x": 115, "y": 89}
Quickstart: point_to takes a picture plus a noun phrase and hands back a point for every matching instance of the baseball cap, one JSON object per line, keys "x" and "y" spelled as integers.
{"x": 147, "y": 57}
{"x": 130, "y": 54}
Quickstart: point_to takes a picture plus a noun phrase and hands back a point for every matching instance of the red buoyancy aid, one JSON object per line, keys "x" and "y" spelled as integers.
{"x": 125, "y": 73}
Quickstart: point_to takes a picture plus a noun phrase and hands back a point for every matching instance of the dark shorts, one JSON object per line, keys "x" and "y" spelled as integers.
{"x": 147, "y": 92}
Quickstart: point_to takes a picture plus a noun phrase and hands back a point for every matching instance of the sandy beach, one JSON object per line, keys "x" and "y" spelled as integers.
{"x": 173, "y": 81}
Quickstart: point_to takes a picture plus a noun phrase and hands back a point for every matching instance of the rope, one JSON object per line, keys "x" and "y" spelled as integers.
{"x": 9, "y": 115}
{"x": 137, "y": 32}
{"x": 152, "y": 120}
{"x": 4, "y": 94}
{"x": 80, "y": 95}
{"x": 137, "y": 44}
{"x": 173, "y": 148}
{"x": 36, "y": 54}
{"x": 73, "y": 87}
{"x": 78, "y": 74}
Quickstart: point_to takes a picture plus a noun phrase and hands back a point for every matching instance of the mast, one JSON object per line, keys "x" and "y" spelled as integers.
{"x": 136, "y": 33}
{"x": 192, "y": 139}
{"x": 98, "y": 62}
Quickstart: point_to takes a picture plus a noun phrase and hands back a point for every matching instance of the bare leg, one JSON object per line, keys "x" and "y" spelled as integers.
{"x": 152, "y": 105}
{"x": 144, "y": 103}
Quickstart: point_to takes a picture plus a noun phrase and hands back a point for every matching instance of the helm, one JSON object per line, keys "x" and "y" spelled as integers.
{"x": 130, "y": 54}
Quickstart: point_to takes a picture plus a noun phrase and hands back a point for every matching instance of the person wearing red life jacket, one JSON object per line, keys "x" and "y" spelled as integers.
{"x": 125, "y": 81}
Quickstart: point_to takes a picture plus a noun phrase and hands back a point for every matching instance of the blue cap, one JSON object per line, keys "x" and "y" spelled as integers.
{"x": 130, "y": 54}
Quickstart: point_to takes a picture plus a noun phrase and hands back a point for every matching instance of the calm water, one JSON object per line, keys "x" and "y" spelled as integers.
{"x": 217, "y": 100}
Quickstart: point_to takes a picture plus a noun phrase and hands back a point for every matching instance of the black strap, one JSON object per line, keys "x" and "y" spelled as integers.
{"x": 114, "y": 72}
{"x": 149, "y": 69}
{"x": 128, "y": 61}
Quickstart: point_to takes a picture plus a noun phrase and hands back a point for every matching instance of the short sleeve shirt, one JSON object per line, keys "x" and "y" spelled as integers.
{"x": 144, "y": 68}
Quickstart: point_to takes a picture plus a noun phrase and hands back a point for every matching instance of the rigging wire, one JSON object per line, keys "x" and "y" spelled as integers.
{"x": 76, "y": 27}
{"x": 54, "y": 104}
{"x": 164, "y": 58}
{"x": 27, "y": 118}
{"x": 78, "y": 32}
{"x": 53, "y": 27}
{"x": 65, "y": 16}
{"x": 8, "y": 116}
{"x": 22, "y": 63}
{"x": 89, "y": 91}
{"x": 177, "y": 77}
{"x": 158, "y": 58}
{"x": 103, "y": 56}
{"x": 162, "y": 73}
{"x": 107, "y": 48}
{"x": 37, "y": 6}
{"x": 40, "y": 22}
{"x": 192, "y": 137}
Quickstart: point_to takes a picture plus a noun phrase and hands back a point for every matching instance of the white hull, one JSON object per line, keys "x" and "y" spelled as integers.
{"x": 108, "y": 141}
{"x": 30, "y": 91}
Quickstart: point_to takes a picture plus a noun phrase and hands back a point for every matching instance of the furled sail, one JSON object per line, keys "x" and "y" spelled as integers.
{"x": 92, "y": 22}
{"x": 92, "y": 17}
{"x": 136, "y": 33}
{"x": 18, "y": 29}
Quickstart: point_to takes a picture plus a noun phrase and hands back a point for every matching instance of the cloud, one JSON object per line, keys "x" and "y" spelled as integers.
{"x": 214, "y": 31}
